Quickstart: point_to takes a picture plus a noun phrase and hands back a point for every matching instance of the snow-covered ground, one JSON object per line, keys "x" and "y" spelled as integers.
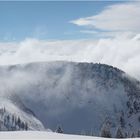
{"x": 39, "y": 135}
{"x": 45, "y": 135}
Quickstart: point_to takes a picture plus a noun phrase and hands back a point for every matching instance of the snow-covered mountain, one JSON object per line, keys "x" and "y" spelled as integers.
{"x": 81, "y": 97}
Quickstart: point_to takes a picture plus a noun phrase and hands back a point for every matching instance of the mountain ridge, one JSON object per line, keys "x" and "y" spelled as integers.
{"x": 77, "y": 96}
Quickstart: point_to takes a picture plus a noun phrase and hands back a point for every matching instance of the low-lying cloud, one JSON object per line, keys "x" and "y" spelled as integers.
{"x": 122, "y": 52}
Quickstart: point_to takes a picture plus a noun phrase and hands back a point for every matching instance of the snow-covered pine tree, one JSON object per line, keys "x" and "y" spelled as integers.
{"x": 119, "y": 133}
{"x": 13, "y": 120}
{"x": 26, "y": 126}
{"x": 138, "y": 133}
{"x": 133, "y": 135}
{"x": 122, "y": 120}
{"x": 59, "y": 129}
{"x": 105, "y": 130}
{"x": 19, "y": 122}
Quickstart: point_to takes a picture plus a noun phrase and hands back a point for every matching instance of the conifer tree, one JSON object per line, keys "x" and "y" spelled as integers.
{"x": 59, "y": 129}
{"x": 138, "y": 133}
{"x": 26, "y": 126}
{"x": 133, "y": 135}
{"x": 105, "y": 130}
{"x": 119, "y": 133}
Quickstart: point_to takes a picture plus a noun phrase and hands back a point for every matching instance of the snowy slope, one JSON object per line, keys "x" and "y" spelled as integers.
{"x": 14, "y": 118}
{"x": 28, "y": 135}
{"x": 81, "y": 97}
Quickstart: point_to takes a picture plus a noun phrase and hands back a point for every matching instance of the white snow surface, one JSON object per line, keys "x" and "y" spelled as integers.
{"x": 47, "y": 135}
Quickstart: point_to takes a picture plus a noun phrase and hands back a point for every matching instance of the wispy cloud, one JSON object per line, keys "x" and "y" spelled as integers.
{"x": 89, "y": 31}
{"x": 116, "y": 18}
{"x": 40, "y": 31}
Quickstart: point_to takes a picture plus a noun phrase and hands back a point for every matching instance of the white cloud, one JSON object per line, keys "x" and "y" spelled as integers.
{"x": 89, "y": 31}
{"x": 31, "y": 50}
{"x": 120, "y": 17}
{"x": 122, "y": 52}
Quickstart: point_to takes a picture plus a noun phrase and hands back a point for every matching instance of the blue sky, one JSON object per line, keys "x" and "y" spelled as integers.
{"x": 45, "y": 20}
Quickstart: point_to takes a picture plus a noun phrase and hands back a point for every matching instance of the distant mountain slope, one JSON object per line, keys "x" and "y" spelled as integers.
{"x": 81, "y": 97}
